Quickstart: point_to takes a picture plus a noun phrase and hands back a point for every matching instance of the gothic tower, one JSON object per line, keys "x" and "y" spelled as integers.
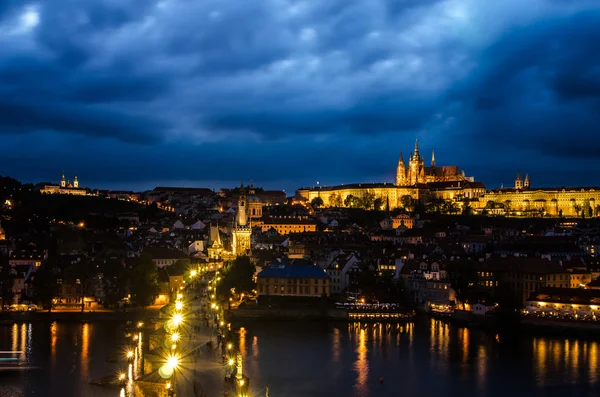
{"x": 416, "y": 167}
{"x": 518, "y": 181}
{"x": 432, "y": 159}
{"x": 76, "y": 182}
{"x": 401, "y": 172}
{"x": 63, "y": 181}
{"x": 527, "y": 183}
{"x": 241, "y": 231}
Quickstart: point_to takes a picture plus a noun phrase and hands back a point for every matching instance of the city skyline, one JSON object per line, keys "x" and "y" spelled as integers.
{"x": 181, "y": 93}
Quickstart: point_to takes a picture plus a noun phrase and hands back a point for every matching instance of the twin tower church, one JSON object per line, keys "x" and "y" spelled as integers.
{"x": 65, "y": 187}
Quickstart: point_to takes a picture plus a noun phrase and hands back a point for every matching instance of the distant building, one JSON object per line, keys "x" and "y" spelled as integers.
{"x": 242, "y": 231}
{"x": 283, "y": 279}
{"x": 554, "y": 201}
{"x": 287, "y": 225}
{"x": 65, "y": 187}
{"x": 414, "y": 180}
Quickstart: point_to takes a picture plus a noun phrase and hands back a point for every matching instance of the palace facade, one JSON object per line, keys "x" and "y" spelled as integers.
{"x": 413, "y": 179}
{"x": 522, "y": 199}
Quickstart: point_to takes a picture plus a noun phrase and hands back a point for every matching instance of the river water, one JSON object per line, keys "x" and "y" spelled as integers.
{"x": 427, "y": 358}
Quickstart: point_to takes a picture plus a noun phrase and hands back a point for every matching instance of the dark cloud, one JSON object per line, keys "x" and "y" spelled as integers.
{"x": 294, "y": 91}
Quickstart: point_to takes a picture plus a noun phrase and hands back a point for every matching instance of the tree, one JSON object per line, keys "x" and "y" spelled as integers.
{"x": 368, "y": 199}
{"x": 6, "y": 285}
{"x": 316, "y": 202}
{"x": 349, "y": 201}
{"x": 467, "y": 209}
{"x": 335, "y": 200}
{"x": 407, "y": 202}
{"x": 449, "y": 207}
{"x": 114, "y": 282}
{"x": 144, "y": 281}
{"x": 378, "y": 203}
{"x": 45, "y": 286}
{"x": 238, "y": 274}
{"x": 463, "y": 278}
{"x": 81, "y": 274}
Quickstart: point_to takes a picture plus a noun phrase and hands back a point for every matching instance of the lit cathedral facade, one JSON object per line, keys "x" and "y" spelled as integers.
{"x": 415, "y": 172}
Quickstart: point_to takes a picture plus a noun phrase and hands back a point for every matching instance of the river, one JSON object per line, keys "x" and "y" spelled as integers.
{"x": 427, "y": 358}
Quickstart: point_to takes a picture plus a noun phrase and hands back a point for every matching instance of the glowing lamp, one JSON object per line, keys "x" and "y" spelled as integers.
{"x": 177, "y": 319}
{"x": 172, "y": 362}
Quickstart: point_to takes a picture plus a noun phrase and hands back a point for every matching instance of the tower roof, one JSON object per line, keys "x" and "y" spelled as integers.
{"x": 417, "y": 148}
{"x": 401, "y": 161}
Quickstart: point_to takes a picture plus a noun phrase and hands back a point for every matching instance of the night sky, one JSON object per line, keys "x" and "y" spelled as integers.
{"x": 134, "y": 93}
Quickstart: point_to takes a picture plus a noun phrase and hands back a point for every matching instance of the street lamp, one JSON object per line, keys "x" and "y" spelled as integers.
{"x": 175, "y": 337}
{"x": 177, "y": 319}
{"x": 172, "y": 362}
{"x": 178, "y": 305}
{"x": 193, "y": 273}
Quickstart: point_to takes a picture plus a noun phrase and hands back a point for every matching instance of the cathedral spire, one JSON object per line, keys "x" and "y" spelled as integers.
{"x": 401, "y": 171}
{"x": 527, "y": 183}
{"x": 432, "y": 158}
{"x": 417, "y": 149}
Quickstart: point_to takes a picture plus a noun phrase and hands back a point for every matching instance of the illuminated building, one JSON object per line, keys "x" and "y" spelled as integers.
{"x": 564, "y": 301}
{"x": 287, "y": 225}
{"x": 241, "y": 231}
{"x": 65, "y": 187}
{"x": 525, "y": 200}
{"x": 414, "y": 180}
{"x": 2, "y": 234}
{"x": 282, "y": 279}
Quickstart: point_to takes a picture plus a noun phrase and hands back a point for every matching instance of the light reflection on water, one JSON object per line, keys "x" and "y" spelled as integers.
{"x": 326, "y": 360}
{"x": 429, "y": 357}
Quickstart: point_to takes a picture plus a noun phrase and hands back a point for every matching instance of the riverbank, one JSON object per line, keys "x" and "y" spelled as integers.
{"x": 34, "y": 317}
{"x": 546, "y": 326}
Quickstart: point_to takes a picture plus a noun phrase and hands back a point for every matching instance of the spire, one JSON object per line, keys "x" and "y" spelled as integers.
{"x": 241, "y": 214}
{"x": 527, "y": 182}
{"x": 401, "y": 161}
{"x": 416, "y": 148}
{"x": 432, "y": 158}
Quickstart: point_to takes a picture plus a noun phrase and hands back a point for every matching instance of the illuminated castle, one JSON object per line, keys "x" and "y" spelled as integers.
{"x": 415, "y": 180}
{"x": 417, "y": 173}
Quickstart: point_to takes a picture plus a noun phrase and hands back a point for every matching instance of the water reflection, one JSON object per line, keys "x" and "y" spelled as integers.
{"x": 362, "y": 364}
{"x": 85, "y": 350}
{"x": 53, "y": 338}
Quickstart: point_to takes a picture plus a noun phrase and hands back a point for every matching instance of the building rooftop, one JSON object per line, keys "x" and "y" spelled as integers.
{"x": 285, "y": 270}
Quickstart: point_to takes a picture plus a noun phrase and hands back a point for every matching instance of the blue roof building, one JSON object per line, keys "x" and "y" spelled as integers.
{"x": 283, "y": 279}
